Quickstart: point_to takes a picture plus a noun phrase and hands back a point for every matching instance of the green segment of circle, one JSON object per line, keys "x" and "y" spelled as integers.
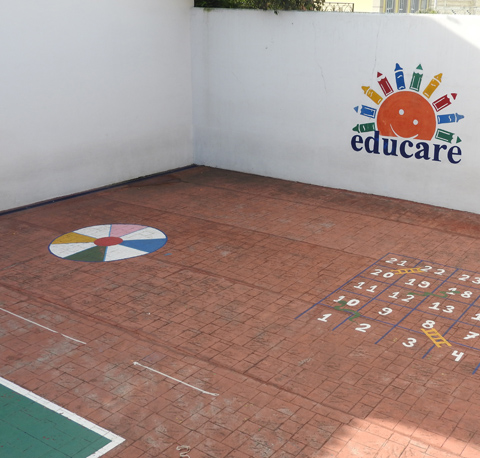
{"x": 95, "y": 254}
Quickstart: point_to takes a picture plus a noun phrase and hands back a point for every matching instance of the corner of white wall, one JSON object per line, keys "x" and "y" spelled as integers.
{"x": 93, "y": 92}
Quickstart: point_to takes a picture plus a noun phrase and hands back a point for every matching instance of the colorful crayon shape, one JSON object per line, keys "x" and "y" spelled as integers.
{"x": 432, "y": 85}
{"x": 446, "y": 136}
{"x": 447, "y": 118}
{"x": 399, "y": 77}
{"x": 444, "y": 101}
{"x": 367, "y": 111}
{"x": 369, "y": 127}
{"x": 372, "y": 94}
{"x": 384, "y": 84}
{"x": 416, "y": 79}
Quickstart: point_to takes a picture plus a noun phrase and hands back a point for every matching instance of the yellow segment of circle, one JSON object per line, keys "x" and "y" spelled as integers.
{"x": 73, "y": 237}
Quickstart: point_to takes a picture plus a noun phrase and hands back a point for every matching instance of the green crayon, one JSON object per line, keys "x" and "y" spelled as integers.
{"x": 446, "y": 136}
{"x": 369, "y": 127}
{"x": 416, "y": 79}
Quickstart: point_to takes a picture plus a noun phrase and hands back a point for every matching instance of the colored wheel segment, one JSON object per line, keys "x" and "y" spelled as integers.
{"x": 108, "y": 242}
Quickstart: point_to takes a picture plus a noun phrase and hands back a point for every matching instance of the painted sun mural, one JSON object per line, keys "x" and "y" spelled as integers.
{"x": 409, "y": 112}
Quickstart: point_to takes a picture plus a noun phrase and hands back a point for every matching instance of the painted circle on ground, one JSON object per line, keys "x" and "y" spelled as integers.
{"x": 108, "y": 242}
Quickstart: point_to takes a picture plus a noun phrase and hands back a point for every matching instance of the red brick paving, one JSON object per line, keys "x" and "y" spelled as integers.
{"x": 216, "y": 308}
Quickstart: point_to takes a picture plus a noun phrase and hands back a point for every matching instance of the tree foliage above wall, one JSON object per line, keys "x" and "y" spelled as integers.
{"x": 311, "y": 5}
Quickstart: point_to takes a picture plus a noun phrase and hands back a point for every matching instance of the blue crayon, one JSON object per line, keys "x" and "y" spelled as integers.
{"x": 367, "y": 111}
{"x": 399, "y": 77}
{"x": 446, "y": 118}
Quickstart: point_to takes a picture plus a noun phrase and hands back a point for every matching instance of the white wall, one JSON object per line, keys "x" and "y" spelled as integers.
{"x": 274, "y": 95}
{"x": 92, "y": 92}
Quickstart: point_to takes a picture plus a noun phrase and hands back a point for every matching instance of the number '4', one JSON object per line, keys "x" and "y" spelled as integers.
{"x": 458, "y": 356}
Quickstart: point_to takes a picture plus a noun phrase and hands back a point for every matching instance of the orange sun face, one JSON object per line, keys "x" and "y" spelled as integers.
{"x": 407, "y": 115}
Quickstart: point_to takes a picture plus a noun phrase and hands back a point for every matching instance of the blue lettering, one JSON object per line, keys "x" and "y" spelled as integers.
{"x": 357, "y": 140}
{"x": 385, "y": 147}
{"x": 389, "y": 148}
{"x": 454, "y": 151}
{"x": 402, "y": 148}
{"x": 436, "y": 151}
{"x": 422, "y": 148}
{"x": 376, "y": 141}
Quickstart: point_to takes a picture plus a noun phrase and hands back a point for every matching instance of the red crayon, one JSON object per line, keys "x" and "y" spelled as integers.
{"x": 384, "y": 84}
{"x": 444, "y": 101}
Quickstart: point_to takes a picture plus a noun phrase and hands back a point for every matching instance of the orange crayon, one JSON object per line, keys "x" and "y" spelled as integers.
{"x": 432, "y": 85}
{"x": 372, "y": 94}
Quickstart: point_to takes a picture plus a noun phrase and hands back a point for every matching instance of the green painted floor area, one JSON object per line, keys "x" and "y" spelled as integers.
{"x": 30, "y": 430}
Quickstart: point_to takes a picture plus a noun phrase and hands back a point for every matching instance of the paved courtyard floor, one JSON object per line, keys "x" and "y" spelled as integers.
{"x": 242, "y": 316}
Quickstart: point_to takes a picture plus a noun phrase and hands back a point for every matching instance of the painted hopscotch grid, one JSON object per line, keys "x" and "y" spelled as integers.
{"x": 427, "y": 300}
{"x": 32, "y": 427}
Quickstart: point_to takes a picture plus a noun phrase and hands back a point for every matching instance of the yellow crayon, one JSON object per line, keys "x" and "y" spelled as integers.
{"x": 372, "y": 94}
{"x": 434, "y": 83}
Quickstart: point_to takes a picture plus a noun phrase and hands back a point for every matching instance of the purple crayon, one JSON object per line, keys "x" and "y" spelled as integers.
{"x": 446, "y": 118}
{"x": 399, "y": 77}
{"x": 384, "y": 84}
{"x": 444, "y": 101}
{"x": 366, "y": 111}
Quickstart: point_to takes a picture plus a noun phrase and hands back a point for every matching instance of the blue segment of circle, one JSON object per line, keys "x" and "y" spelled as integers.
{"x": 148, "y": 245}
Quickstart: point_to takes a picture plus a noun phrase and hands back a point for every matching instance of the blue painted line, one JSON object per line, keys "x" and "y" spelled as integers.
{"x": 462, "y": 345}
{"x": 429, "y": 350}
{"x": 338, "y": 289}
{"x": 436, "y": 267}
{"x": 416, "y": 307}
{"x": 456, "y": 321}
{"x": 310, "y": 308}
{"x": 372, "y": 299}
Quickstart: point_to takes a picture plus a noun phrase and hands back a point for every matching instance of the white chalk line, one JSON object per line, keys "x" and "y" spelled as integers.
{"x": 179, "y": 381}
{"x": 76, "y": 340}
{"x": 44, "y": 327}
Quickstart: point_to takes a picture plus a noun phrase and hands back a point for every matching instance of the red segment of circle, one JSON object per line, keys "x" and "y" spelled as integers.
{"x": 416, "y": 121}
{"x": 108, "y": 241}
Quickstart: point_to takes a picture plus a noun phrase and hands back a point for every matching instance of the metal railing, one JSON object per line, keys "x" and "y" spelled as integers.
{"x": 338, "y": 7}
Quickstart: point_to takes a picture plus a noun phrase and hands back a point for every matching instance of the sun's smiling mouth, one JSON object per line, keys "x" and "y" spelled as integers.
{"x": 393, "y": 130}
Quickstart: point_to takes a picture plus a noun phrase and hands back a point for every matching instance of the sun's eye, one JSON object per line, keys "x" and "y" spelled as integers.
{"x": 415, "y": 122}
{"x": 401, "y": 112}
